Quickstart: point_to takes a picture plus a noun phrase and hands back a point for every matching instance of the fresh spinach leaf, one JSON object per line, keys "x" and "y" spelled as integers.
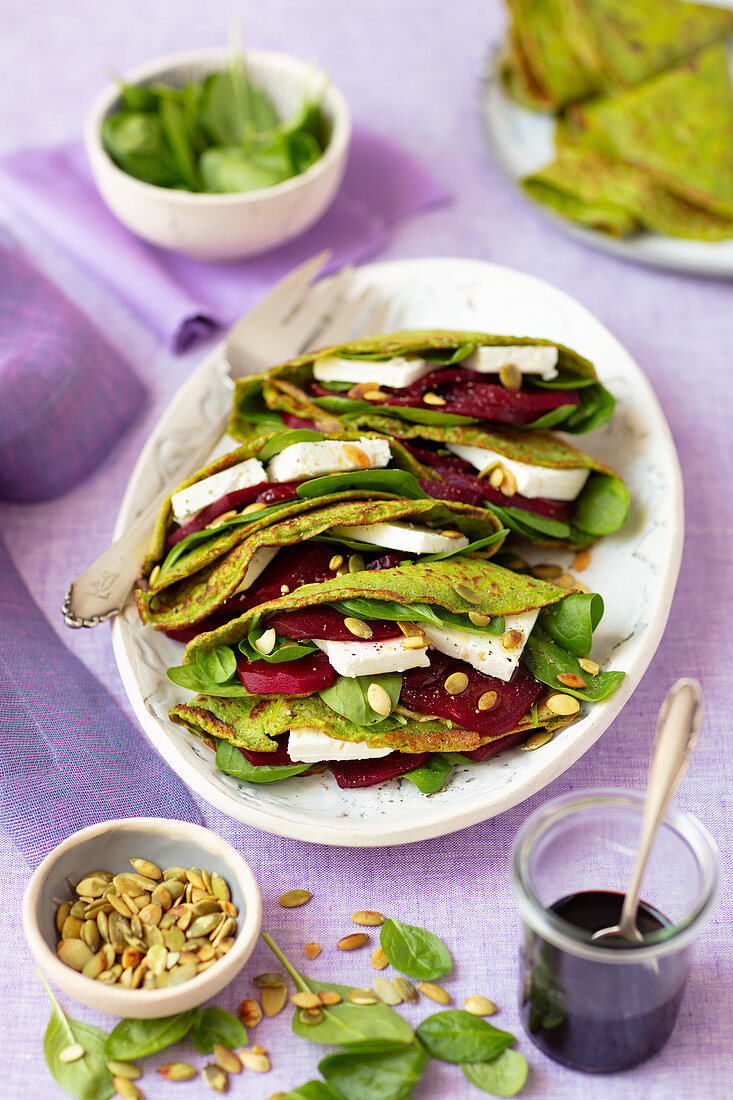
{"x": 231, "y": 761}
{"x": 285, "y": 649}
{"x": 348, "y": 696}
{"x": 351, "y": 406}
{"x": 400, "y": 482}
{"x": 393, "y": 1075}
{"x": 313, "y": 1090}
{"x": 286, "y": 439}
{"x": 597, "y": 406}
{"x": 505, "y": 1076}
{"x": 571, "y": 622}
{"x": 192, "y": 678}
{"x": 363, "y": 607}
{"x": 218, "y": 664}
{"x": 602, "y": 506}
{"x": 137, "y": 1038}
{"x": 216, "y": 1025}
{"x": 229, "y": 170}
{"x": 545, "y": 659}
{"x": 173, "y": 122}
{"x": 458, "y": 1036}
{"x": 553, "y": 418}
{"x": 137, "y": 144}
{"x": 472, "y": 547}
{"x": 191, "y": 542}
{"x": 88, "y": 1078}
{"x": 430, "y": 777}
{"x": 528, "y": 524}
{"x": 446, "y": 357}
{"x": 368, "y": 1027}
{"x": 415, "y": 951}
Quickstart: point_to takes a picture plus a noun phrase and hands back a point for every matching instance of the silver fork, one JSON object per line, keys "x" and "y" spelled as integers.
{"x": 291, "y": 319}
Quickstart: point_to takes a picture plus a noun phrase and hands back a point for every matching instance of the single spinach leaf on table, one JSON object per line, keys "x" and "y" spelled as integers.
{"x": 415, "y": 951}
{"x": 505, "y": 1076}
{"x": 368, "y": 1027}
{"x": 458, "y": 1036}
{"x": 216, "y": 1025}
{"x": 393, "y": 1075}
{"x": 230, "y": 760}
{"x": 313, "y": 1090}
{"x": 545, "y": 659}
{"x": 348, "y": 696}
{"x": 137, "y": 1038}
{"x": 88, "y": 1078}
{"x": 571, "y": 622}
{"x": 430, "y": 777}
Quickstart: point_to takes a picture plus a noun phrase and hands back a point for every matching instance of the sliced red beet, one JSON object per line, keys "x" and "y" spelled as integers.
{"x": 389, "y": 561}
{"x": 327, "y": 623}
{"x": 263, "y": 492}
{"x": 303, "y": 563}
{"x": 468, "y": 393}
{"x": 291, "y": 421}
{"x": 260, "y": 759}
{"x": 494, "y": 747}
{"x": 445, "y": 490}
{"x": 301, "y": 677}
{"x": 541, "y": 506}
{"x": 368, "y": 773}
{"x": 423, "y": 691}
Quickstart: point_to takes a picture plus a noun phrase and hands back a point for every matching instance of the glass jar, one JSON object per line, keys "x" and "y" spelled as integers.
{"x": 593, "y": 1006}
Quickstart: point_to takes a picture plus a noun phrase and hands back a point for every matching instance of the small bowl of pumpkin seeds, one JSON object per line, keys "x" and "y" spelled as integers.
{"x": 142, "y": 917}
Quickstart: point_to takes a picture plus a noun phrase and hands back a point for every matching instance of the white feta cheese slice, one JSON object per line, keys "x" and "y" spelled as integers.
{"x": 483, "y": 651}
{"x": 258, "y": 562}
{"x": 330, "y": 456}
{"x": 371, "y": 658}
{"x": 397, "y": 372}
{"x": 410, "y": 537}
{"x": 531, "y": 359}
{"x": 307, "y": 745}
{"x": 187, "y": 502}
{"x": 532, "y": 481}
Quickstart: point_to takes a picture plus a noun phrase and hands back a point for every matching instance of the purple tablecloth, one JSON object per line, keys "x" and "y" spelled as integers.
{"x": 412, "y": 73}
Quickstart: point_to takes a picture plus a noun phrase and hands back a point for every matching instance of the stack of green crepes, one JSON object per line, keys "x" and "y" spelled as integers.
{"x": 643, "y": 93}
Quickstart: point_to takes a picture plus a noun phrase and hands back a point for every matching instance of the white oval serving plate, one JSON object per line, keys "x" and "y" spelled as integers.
{"x": 522, "y": 141}
{"x": 635, "y": 570}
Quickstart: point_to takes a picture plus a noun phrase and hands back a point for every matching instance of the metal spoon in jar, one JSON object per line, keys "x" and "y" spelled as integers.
{"x": 677, "y": 729}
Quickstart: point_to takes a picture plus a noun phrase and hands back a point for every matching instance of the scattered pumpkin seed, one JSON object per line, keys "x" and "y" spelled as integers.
{"x": 589, "y": 666}
{"x": 379, "y": 959}
{"x": 379, "y": 699}
{"x": 356, "y": 563}
{"x": 415, "y": 641}
{"x": 250, "y": 1012}
{"x": 306, "y": 1000}
{"x": 336, "y": 562}
{"x": 480, "y": 1006}
{"x": 386, "y": 991}
{"x": 313, "y": 950}
{"x": 571, "y": 680}
{"x": 265, "y": 644}
{"x": 488, "y": 700}
{"x": 352, "y": 941}
{"x": 362, "y": 997}
{"x": 72, "y": 1053}
{"x": 434, "y": 992}
{"x": 329, "y": 997}
{"x": 563, "y": 704}
{"x": 310, "y": 1016}
{"x": 215, "y": 1077}
{"x": 433, "y": 399}
{"x": 124, "y": 1069}
{"x": 581, "y": 560}
{"x": 226, "y": 1058}
{"x": 256, "y": 1059}
{"x": 274, "y": 999}
{"x": 510, "y": 376}
{"x": 291, "y": 899}
{"x": 546, "y": 571}
{"x": 456, "y": 683}
{"x": 270, "y": 977}
{"x": 368, "y": 917}
{"x": 405, "y": 989}
{"x": 356, "y": 455}
{"x": 450, "y": 534}
{"x": 537, "y": 740}
{"x": 467, "y": 594}
{"x": 511, "y": 639}
{"x": 177, "y": 1071}
{"x": 478, "y": 619}
{"x": 127, "y": 1088}
{"x": 358, "y": 627}
{"x": 565, "y": 580}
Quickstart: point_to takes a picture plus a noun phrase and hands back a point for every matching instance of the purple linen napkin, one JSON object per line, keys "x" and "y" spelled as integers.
{"x": 66, "y": 396}
{"x": 183, "y": 300}
{"x": 68, "y": 755}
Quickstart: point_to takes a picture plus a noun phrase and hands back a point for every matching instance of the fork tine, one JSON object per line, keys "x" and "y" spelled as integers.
{"x": 340, "y": 326}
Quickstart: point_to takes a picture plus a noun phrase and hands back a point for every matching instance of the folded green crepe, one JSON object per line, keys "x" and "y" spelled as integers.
{"x": 262, "y": 400}
{"x": 561, "y": 51}
{"x": 427, "y": 592}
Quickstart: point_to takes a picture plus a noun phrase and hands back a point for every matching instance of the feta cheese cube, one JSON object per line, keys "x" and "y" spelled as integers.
{"x": 187, "y": 502}
{"x": 308, "y": 745}
{"x": 531, "y": 359}
{"x": 397, "y": 372}
{"x": 371, "y": 658}
{"x": 410, "y": 537}
{"x": 331, "y": 456}
{"x": 550, "y": 482}
{"x": 481, "y": 650}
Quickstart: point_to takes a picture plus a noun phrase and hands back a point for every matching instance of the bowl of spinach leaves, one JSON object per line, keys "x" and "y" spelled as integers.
{"x": 217, "y": 154}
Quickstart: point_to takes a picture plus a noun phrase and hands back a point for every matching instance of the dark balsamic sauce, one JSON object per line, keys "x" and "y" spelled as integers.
{"x": 600, "y": 1017}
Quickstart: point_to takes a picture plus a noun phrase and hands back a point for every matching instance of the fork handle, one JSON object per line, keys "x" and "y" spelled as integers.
{"x": 102, "y": 589}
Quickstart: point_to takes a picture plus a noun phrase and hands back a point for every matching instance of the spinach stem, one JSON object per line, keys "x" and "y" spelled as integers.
{"x": 297, "y": 977}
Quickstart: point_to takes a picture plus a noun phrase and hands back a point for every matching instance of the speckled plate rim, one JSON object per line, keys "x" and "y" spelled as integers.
{"x": 504, "y": 122}
{"x": 453, "y": 809}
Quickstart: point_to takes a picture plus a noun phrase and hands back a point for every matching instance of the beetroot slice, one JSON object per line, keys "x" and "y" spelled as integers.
{"x": 541, "y": 506}
{"x": 302, "y": 563}
{"x": 445, "y": 490}
{"x": 389, "y": 561}
{"x": 260, "y": 759}
{"x": 327, "y": 623}
{"x": 301, "y": 677}
{"x": 263, "y": 492}
{"x": 423, "y": 691}
{"x": 291, "y": 421}
{"x": 495, "y": 747}
{"x": 368, "y": 773}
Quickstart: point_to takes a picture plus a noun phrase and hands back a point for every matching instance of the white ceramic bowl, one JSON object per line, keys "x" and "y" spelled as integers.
{"x": 109, "y": 846}
{"x": 223, "y": 227}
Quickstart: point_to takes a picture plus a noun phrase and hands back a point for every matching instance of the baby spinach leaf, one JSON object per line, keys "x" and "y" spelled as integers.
{"x": 229, "y": 170}
{"x": 285, "y": 649}
{"x": 415, "y": 951}
{"x": 351, "y": 406}
{"x": 390, "y": 1076}
{"x": 137, "y": 144}
{"x": 216, "y": 1025}
{"x": 287, "y": 439}
{"x": 137, "y": 1038}
{"x": 602, "y": 506}
{"x": 553, "y": 418}
{"x": 363, "y": 607}
{"x": 458, "y": 1036}
{"x": 88, "y": 1078}
{"x": 400, "y": 482}
{"x": 528, "y": 524}
{"x": 472, "y": 547}
{"x": 430, "y": 777}
{"x": 368, "y": 1027}
{"x": 313, "y": 1090}
{"x": 193, "y": 678}
{"x": 348, "y": 696}
{"x": 173, "y": 122}
{"x": 597, "y": 405}
{"x": 192, "y": 541}
{"x": 231, "y": 761}
{"x": 505, "y": 1076}
{"x": 571, "y": 622}
{"x": 448, "y": 357}
{"x": 545, "y": 660}
{"x": 218, "y": 664}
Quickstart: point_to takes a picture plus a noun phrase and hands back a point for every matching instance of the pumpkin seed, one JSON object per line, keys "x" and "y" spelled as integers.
{"x": 405, "y": 989}
{"x": 270, "y": 977}
{"x": 79, "y": 910}
{"x": 61, "y": 914}
{"x": 379, "y": 959}
{"x": 356, "y": 455}
{"x": 215, "y": 1077}
{"x": 571, "y": 680}
{"x": 202, "y": 926}
{"x": 119, "y": 929}
{"x": 431, "y": 398}
{"x": 379, "y": 700}
{"x": 310, "y": 1016}
{"x": 480, "y": 1006}
{"x": 368, "y": 917}
{"x": 146, "y": 868}
{"x": 456, "y": 683}
{"x": 72, "y": 1053}
{"x": 256, "y": 1059}
{"x": 313, "y": 950}
{"x": 362, "y": 997}
{"x": 74, "y": 953}
{"x": 386, "y": 991}
{"x": 226, "y": 1058}
{"x": 589, "y": 666}
{"x": 510, "y": 376}
{"x": 266, "y": 643}
{"x": 220, "y": 888}
{"x": 162, "y": 896}
{"x": 93, "y": 886}
{"x": 132, "y": 958}
{"x": 184, "y": 973}
{"x": 274, "y": 999}
{"x": 127, "y": 1088}
{"x": 546, "y": 571}
{"x": 415, "y": 641}
{"x": 177, "y": 1071}
{"x": 434, "y": 992}
{"x": 488, "y": 700}
{"x": 358, "y": 627}
{"x": 329, "y": 997}
{"x": 565, "y": 580}
{"x": 156, "y": 959}
{"x": 356, "y": 563}
{"x": 352, "y": 941}
{"x": 511, "y": 639}
{"x": 291, "y": 899}
{"x": 250, "y": 1012}
{"x": 581, "y": 560}
{"x": 537, "y": 740}
{"x": 177, "y": 873}
{"x": 124, "y": 1069}
{"x": 563, "y": 704}
{"x": 94, "y": 967}
{"x": 336, "y": 562}
{"x": 120, "y": 907}
{"x": 151, "y": 914}
{"x": 72, "y": 929}
{"x": 467, "y": 594}
{"x": 478, "y": 619}
{"x": 306, "y": 1000}
{"x": 90, "y": 934}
